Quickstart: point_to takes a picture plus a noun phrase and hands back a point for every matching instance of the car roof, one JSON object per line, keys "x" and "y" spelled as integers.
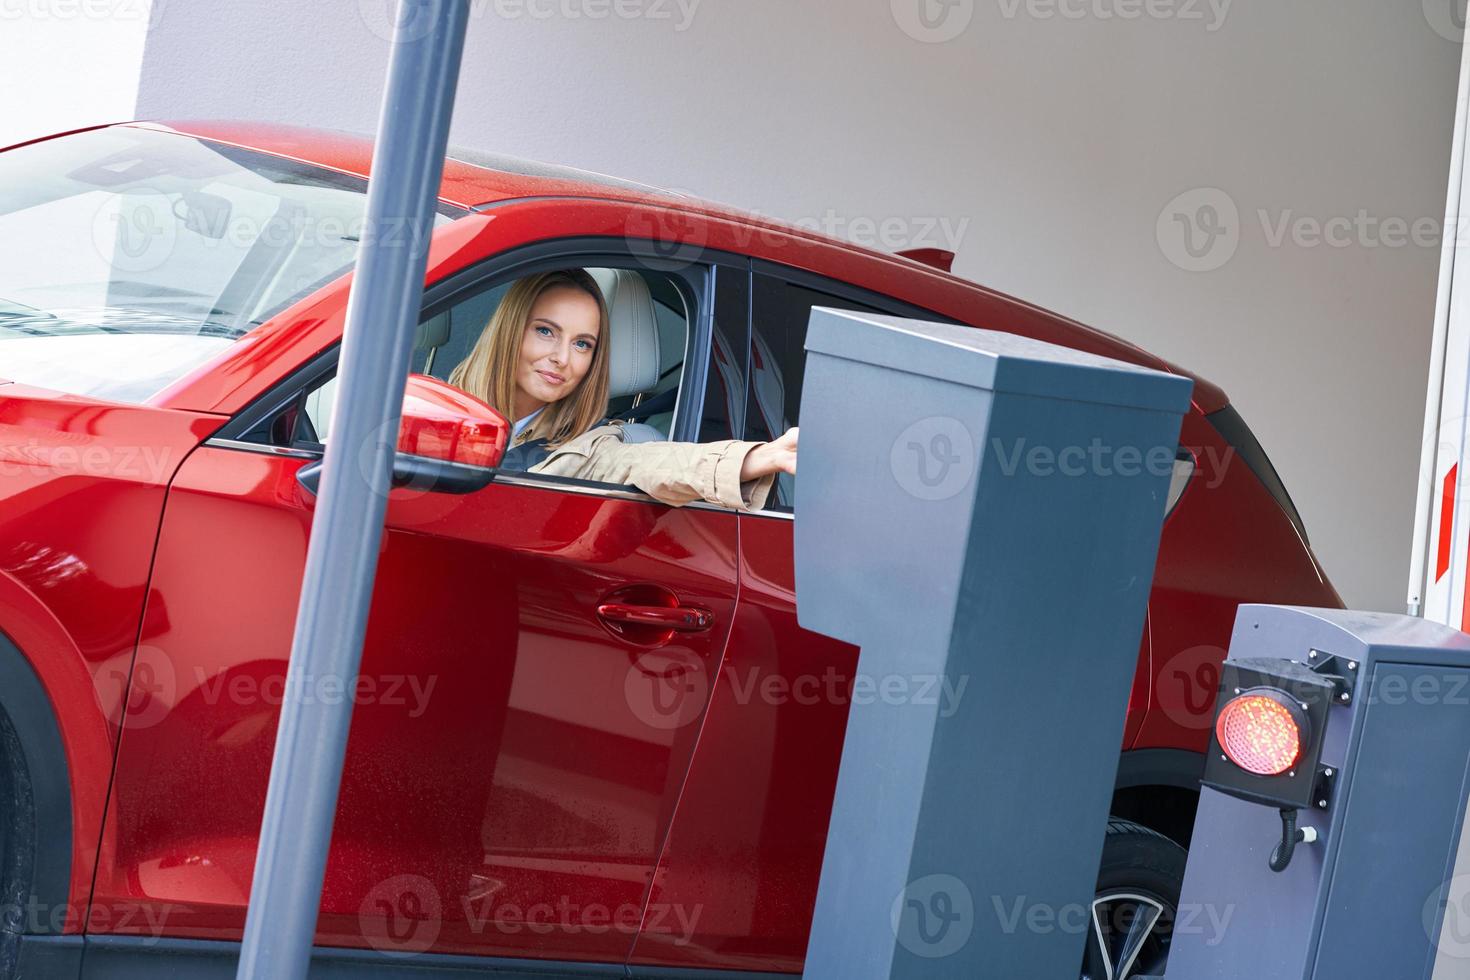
{"x": 476, "y": 179}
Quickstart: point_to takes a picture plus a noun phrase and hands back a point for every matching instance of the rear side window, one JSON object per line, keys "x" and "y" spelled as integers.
{"x": 1238, "y": 436}
{"x": 780, "y": 311}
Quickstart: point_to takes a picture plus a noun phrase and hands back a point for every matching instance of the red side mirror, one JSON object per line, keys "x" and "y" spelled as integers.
{"x": 441, "y": 422}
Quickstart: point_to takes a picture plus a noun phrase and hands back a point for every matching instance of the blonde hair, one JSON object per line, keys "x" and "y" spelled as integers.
{"x": 489, "y": 372}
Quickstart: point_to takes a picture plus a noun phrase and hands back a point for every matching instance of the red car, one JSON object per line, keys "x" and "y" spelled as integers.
{"x": 531, "y": 782}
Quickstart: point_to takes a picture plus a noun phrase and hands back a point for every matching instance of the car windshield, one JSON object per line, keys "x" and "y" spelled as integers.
{"x": 129, "y": 257}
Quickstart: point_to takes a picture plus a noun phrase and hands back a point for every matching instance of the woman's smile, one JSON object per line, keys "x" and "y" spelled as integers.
{"x": 557, "y": 347}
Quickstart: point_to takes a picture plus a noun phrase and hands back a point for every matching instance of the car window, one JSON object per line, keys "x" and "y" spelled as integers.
{"x": 446, "y": 339}
{"x": 780, "y": 311}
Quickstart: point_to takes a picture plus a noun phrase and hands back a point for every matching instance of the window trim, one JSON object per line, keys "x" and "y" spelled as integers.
{"x": 836, "y": 288}
{"x": 582, "y": 251}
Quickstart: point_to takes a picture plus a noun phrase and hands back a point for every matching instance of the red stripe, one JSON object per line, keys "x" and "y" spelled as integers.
{"x": 1446, "y": 523}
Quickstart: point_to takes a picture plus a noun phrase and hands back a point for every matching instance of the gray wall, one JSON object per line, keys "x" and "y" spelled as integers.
{"x": 1053, "y": 137}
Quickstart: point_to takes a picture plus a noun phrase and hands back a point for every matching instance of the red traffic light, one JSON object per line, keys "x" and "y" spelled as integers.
{"x": 1262, "y": 731}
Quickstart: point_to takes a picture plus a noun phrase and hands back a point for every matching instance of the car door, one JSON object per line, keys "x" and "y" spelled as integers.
{"x": 747, "y": 846}
{"x": 514, "y": 759}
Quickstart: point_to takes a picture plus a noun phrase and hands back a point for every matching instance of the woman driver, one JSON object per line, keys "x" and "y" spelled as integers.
{"x": 542, "y": 361}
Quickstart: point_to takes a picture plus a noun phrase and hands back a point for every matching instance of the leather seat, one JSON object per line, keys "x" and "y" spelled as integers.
{"x": 634, "y": 359}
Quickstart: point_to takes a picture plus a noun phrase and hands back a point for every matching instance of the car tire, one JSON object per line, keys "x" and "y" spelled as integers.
{"x": 1136, "y": 900}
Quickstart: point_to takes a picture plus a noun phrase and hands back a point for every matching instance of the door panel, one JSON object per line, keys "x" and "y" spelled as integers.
{"x": 513, "y": 763}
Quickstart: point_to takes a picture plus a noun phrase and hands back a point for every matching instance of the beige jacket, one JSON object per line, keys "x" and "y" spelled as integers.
{"x": 673, "y": 473}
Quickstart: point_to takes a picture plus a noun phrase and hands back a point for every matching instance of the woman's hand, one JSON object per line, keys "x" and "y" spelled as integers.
{"x": 777, "y": 456}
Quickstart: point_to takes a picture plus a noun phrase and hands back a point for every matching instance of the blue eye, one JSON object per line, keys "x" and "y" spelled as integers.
{"x": 543, "y": 331}
{"x": 584, "y": 345}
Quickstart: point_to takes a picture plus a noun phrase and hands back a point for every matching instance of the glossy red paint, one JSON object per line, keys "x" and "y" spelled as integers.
{"x": 444, "y": 423}
{"x": 535, "y": 751}
{"x": 82, "y": 487}
{"x": 508, "y": 756}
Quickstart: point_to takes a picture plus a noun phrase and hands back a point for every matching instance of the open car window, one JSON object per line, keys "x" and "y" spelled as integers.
{"x": 660, "y": 310}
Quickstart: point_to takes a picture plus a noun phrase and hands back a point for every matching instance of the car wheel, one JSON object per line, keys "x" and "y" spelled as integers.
{"x": 1133, "y": 910}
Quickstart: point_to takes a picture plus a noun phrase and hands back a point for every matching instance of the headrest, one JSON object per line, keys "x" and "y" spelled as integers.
{"x": 433, "y": 332}
{"x": 633, "y": 364}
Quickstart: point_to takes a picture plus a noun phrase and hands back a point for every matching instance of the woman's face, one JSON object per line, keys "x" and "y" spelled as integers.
{"x": 556, "y": 349}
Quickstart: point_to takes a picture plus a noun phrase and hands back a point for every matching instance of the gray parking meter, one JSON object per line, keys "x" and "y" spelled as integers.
{"x": 980, "y": 513}
{"x": 1374, "y": 878}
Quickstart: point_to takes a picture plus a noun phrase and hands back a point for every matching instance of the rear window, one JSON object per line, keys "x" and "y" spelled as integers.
{"x": 129, "y": 257}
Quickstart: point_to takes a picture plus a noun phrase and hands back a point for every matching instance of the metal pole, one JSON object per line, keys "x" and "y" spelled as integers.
{"x": 341, "y": 562}
{"x": 1429, "y": 449}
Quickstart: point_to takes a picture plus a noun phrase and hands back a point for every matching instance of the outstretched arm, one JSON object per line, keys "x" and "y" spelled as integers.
{"x": 770, "y": 458}
{"x": 730, "y": 473}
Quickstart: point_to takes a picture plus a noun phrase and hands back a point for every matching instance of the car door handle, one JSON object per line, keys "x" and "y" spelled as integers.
{"x": 683, "y": 619}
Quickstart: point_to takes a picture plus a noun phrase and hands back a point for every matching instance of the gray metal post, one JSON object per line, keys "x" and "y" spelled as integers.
{"x": 341, "y": 563}
{"x": 1008, "y": 500}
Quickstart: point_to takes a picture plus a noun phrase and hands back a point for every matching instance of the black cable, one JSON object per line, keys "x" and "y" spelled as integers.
{"x": 1290, "y": 836}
